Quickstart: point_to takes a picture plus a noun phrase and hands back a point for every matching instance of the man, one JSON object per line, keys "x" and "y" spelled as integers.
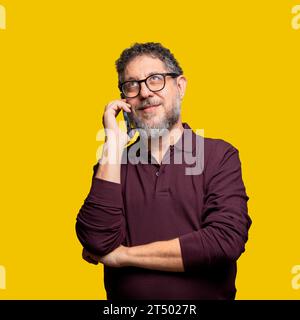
{"x": 162, "y": 233}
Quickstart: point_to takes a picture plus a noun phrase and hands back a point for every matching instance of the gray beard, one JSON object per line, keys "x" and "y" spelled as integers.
{"x": 161, "y": 128}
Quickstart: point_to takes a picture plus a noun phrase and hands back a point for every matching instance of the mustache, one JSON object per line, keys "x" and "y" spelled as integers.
{"x": 149, "y": 102}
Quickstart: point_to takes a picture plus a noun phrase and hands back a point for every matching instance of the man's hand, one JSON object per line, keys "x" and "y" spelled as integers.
{"x": 115, "y": 141}
{"x": 109, "y": 121}
{"x": 115, "y": 259}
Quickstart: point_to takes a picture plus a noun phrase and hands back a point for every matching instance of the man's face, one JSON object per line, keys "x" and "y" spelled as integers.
{"x": 166, "y": 103}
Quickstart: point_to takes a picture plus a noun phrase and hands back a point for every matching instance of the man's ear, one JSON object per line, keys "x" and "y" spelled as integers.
{"x": 181, "y": 84}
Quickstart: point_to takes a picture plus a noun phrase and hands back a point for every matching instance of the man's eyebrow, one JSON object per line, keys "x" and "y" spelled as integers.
{"x": 149, "y": 74}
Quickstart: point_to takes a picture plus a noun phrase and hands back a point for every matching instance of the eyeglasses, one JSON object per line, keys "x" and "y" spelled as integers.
{"x": 154, "y": 82}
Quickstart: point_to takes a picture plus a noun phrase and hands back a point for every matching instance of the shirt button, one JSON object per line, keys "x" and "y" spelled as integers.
{"x": 157, "y": 173}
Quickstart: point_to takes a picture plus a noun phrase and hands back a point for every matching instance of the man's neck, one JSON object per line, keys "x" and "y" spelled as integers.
{"x": 159, "y": 146}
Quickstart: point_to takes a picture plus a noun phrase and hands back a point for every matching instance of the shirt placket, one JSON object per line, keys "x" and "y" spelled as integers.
{"x": 162, "y": 185}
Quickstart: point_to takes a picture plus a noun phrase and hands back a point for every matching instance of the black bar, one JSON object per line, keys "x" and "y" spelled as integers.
{"x": 177, "y": 309}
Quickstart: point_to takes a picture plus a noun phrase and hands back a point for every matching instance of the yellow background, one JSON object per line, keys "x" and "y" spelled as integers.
{"x": 56, "y": 75}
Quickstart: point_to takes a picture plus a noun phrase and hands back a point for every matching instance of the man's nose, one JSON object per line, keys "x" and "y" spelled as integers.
{"x": 145, "y": 92}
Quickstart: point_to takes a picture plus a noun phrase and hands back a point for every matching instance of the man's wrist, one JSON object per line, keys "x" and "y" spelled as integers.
{"x": 111, "y": 153}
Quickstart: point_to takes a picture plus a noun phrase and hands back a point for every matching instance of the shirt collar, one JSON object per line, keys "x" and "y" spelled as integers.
{"x": 187, "y": 140}
{"x": 186, "y": 143}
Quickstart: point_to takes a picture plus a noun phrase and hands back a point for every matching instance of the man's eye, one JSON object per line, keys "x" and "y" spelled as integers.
{"x": 132, "y": 84}
{"x": 155, "y": 78}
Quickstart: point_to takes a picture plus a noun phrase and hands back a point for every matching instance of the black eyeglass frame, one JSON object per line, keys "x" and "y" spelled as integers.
{"x": 171, "y": 74}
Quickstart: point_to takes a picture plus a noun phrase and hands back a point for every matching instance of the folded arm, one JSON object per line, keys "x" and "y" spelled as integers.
{"x": 100, "y": 224}
{"x": 224, "y": 232}
{"x": 158, "y": 255}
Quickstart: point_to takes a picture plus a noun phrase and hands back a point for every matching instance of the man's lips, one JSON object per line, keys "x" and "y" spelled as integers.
{"x": 150, "y": 107}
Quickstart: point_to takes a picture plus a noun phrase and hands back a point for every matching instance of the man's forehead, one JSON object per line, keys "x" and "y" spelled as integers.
{"x": 142, "y": 66}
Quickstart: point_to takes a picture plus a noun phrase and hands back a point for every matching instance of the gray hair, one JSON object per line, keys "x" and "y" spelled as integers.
{"x": 155, "y": 50}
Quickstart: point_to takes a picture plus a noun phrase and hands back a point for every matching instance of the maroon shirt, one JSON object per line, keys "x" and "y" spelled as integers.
{"x": 207, "y": 211}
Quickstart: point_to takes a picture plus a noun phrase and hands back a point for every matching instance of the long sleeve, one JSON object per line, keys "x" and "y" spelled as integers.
{"x": 100, "y": 224}
{"x": 225, "y": 221}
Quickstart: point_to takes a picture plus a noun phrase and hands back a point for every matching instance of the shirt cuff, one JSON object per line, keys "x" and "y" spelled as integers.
{"x": 192, "y": 251}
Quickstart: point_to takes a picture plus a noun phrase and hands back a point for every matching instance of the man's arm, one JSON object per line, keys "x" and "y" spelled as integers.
{"x": 158, "y": 255}
{"x": 100, "y": 224}
{"x": 225, "y": 219}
